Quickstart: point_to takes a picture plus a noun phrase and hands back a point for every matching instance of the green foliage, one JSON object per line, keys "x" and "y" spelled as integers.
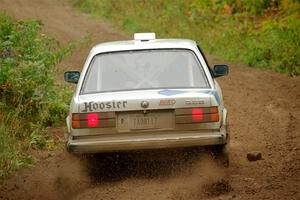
{"x": 259, "y": 33}
{"x": 29, "y": 98}
{"x": 11, "y": 156}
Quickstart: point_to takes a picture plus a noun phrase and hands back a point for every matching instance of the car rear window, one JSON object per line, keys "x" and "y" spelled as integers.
{"x": 144, "y": 69}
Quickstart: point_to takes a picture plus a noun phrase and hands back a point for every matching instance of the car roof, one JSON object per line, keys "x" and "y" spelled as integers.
{"x": 144, "y": 44}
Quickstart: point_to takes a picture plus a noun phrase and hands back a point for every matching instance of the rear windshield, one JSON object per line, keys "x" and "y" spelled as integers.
{"x": 144, "y": 69}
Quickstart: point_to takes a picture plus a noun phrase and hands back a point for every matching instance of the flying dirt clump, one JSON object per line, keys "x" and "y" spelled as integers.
{"x": 254, "y": 156}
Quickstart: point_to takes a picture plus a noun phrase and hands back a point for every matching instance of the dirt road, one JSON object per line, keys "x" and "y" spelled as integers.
{"x": 264, "y": 115}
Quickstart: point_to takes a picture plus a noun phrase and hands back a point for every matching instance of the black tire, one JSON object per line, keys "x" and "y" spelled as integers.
{"x": 222, "y": 152}
{"x": 222, "y": 155}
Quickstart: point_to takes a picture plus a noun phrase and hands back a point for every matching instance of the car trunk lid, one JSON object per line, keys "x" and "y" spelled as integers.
{"x": 144, "y": 100}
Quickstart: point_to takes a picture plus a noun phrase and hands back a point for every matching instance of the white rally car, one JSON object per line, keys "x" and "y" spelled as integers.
{"x": 146, "y": 93}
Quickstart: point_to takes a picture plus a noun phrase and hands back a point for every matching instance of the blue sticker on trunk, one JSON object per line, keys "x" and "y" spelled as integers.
{"x": 171, "y": 92}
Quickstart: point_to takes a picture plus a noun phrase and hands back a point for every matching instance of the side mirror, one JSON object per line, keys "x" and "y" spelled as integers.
{"x": 220, "y": 70}
{"x": 72, "y": 76}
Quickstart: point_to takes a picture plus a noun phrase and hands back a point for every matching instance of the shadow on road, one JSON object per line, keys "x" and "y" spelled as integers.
{"x": 112, "y": 167}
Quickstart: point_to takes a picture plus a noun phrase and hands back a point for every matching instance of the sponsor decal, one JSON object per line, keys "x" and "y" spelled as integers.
{"x": 96, "y": 106}
{"x": 171, "y": 92}
{"x": 167, "y": 102}
{"x": 194, "y": 102}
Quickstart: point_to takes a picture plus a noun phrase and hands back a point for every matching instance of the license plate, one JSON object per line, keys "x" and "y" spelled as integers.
{"x": 162, "y": 120}
{"x": 144, "y": 122}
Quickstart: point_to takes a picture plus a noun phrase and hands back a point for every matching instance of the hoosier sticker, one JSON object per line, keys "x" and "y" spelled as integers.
{"x": 96, "y": 106}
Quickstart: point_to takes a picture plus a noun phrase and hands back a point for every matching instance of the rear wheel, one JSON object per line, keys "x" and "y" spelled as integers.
{"x": 221, "y": 154}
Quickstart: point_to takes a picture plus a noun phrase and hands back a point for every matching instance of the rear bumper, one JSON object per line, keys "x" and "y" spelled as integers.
{"x": 141, "y": 141}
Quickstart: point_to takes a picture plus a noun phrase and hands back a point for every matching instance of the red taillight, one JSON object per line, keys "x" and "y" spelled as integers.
{"x": 76, "y": 121}
{"x": 93, "y": 120}
{"x": 197, "y": 114}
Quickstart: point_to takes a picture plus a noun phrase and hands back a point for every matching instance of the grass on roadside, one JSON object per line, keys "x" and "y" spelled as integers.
{"x": 30, "y": 99}
{"x": 261, "y": 33}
